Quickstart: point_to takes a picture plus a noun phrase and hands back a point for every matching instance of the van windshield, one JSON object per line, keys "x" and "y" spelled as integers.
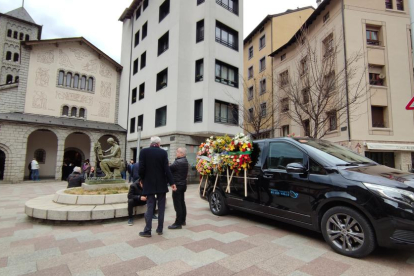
{"x": 333, "y": 153}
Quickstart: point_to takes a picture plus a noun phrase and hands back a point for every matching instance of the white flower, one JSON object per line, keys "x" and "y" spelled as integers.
{"x": 248, "y": 149}
{"x": 236, "y": 142}
{"x": 211, "y": 150}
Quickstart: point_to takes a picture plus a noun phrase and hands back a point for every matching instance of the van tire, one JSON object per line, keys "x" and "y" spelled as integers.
{"x": 218, "y": 204}
{"x": 348, "y": 232}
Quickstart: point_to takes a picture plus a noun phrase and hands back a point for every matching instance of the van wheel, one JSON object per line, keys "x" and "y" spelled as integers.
{"x": 217, "y": 204}
{"x": 348, "y": 232}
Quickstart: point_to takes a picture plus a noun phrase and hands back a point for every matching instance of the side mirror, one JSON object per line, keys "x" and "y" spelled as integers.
{"x": 295, "y": 168}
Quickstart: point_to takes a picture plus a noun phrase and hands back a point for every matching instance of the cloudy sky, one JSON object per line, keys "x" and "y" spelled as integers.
{"x": 97, "y": 20}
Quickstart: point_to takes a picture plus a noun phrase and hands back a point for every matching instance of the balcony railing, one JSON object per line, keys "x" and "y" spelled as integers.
{"x": 234, "y": 10}
{"x": 225, "y": 120}
{"x": 400, "y": 6}
{"x": 378, "y": 124}
{"x": 373, "y": 42}
{"x": 388, "y": 5}
{"x": 198, "y": 118}
{"x": 379, "y": 82}
{"x": 233, "y": 46}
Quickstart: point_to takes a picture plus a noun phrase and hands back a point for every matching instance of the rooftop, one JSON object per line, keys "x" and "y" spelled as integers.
{"x": 22, "y": 14}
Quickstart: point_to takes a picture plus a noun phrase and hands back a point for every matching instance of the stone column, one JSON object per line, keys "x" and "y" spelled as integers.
{"x": 59, "y": 157}
{"x": 92, "y": 155}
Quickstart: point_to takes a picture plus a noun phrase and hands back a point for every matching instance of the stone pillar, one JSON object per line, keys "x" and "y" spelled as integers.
{"x": 403, "y": 161}
{"x": 59, "y": 157}
{"x": 92, "y": 155}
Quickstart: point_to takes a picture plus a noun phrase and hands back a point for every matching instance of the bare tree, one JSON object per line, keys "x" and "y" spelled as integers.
{"x": 324, "y": 89}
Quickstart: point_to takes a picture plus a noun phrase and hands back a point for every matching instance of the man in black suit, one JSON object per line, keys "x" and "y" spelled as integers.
{"x": 155, "y": 173}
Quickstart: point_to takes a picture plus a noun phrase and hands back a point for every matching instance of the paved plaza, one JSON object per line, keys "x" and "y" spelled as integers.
{"x": 238, "y": 244}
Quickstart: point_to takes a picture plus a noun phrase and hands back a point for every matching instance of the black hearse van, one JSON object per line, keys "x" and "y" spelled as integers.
{"x": 355, "y": 202}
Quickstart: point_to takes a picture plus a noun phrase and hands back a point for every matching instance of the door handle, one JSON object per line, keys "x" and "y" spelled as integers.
{"x": 268, "y": 176}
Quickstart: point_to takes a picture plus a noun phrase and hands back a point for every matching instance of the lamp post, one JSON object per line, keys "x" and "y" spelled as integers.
{"x": 411, "y": 6}
{"x": 138, "y": 142}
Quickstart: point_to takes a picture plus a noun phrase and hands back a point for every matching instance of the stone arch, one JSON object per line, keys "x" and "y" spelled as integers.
{"x": 8, "y": 162}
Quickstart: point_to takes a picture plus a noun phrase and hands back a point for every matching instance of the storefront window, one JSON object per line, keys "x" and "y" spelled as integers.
{"x": 383, "y": 158}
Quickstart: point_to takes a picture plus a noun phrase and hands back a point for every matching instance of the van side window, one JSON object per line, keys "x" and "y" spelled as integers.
{"x": 282, "y": 154}
{"x": 315, "y": 168}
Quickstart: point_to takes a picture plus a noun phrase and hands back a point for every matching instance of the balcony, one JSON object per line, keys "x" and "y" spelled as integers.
{"x": 225, "y": 120}
{"x": 233, "y": 45}
{"x": 233, "y": 9}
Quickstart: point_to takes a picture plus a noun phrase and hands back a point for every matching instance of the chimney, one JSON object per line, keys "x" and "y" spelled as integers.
{"x": 318, "y": 2}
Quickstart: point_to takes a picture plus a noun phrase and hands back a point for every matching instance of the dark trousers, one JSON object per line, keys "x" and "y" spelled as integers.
{"x": 179, "y": 204}
{"x": 133, "y": 203}
{"x": 150, "y": 212}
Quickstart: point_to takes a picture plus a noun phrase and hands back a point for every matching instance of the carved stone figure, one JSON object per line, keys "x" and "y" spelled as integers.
{"x": 111, "y": 164}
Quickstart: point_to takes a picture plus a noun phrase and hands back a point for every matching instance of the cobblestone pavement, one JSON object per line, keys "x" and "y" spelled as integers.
{"x": 238, "y": 244}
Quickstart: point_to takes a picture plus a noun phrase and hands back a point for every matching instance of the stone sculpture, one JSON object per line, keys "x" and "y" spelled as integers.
{"x": 111, "y": 164}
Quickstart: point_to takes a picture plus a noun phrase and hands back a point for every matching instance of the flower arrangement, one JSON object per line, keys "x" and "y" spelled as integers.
{"x": 204, "y": 167}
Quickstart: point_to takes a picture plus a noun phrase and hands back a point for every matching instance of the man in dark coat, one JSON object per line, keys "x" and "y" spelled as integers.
{"x": 155, "y": 174}
{"x": 179, "y": 170}
{"x": 75, "y": 179}
{"x": 135, "y": 198}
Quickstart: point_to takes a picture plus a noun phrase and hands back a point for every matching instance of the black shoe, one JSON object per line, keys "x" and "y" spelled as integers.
{"x": 184, "y": 223}
{"x": 159, "y": 232}
{"x": 145, "y": 234}
{"x": 174, "y": 227}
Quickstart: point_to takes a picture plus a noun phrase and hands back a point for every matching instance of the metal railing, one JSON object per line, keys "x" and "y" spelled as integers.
{"x": 225, "y": 120}
{"x": 373, "y": 42}
{"x": 234, "y": 10}
{"x": 233, "y": 46}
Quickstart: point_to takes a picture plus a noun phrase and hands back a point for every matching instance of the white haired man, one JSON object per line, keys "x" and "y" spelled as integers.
{"x": 179, "y": 170}
{"x": 155, "y": 174}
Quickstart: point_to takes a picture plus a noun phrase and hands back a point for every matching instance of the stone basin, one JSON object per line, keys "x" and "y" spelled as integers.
{"x": 63, "y": 198}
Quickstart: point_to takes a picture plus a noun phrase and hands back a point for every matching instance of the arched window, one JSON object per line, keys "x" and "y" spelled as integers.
{"x": 73, "y": 112}
{"x": 82, "y": 112}
{"x": 76, "y": 81}
{"x": 16, "y": 57}
{"x": 21, "y": 36}
{"x": 27, "y": 37}
{"x": 90, "y": 84}
{"x": 9, "y": 79}
{"x": 83, "y": 82}
{"x": 8, "y": 55}
{"x": 65, "y": 111}
{"x": 15, "y": 34}
{"x": 9, "y": 33}
{"x": 40, "y": 155}
{"x": 68, "y": 79}
{"x": 61, "y": 76}
{"x": 16, "y": 79}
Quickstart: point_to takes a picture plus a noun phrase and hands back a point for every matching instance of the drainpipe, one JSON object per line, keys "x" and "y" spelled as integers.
{"x": 346, "y": 73}
{"x": 273, "y": 99}
{"x": 129, "y": 85}
{"x": 411, "y": 6}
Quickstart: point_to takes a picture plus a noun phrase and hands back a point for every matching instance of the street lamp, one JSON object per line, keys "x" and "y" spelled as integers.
{"x": 138, "y": 142}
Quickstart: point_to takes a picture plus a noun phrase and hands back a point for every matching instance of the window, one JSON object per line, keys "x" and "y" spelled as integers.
{"x": 161, "y": 117}
{"x": 227, "y": 36}
{"x": 330, "y": 82}
{"x": 145, "y": 5}
{"x": 306, "y": 128}
{"x": 163, "y": 43}
{"x": 227, "y": 74}
{"x": 61, "y": 77}
{"x": 326, "y": 17}
{"x": 388, "y": 4}
{"x": 143, "y": 60}
{"x": 263, "y": 86}
{"x": 15, "y": 34}
{"x": 132, "y": 126}
{"x": 198, "y": 111}
{"x": 76, "y": 81}
{"x": 226, "y": 113}
{"x": 251, "y": 115}
{"x": 82, "y": 113}
{"x": 83, "y": 82}
{"x": 16, "y": 79}
{"x": 68, "y": 79}
{"x": 140, "y": 123}
{"x": 305, "y": 96}
{"x": 200, "y": 31}
{"x": 134, "y": 96}
{"x": 378, "y": 116}
{"x": 73, "y": 112}
{"x": 283, "y": 154}
{"x": 328, "y": 46}
{"x": 164, "y": 9}
{"x": 40, "y": 155}
{"x": 263, "y": 109}
{"x": 376, "y": 79}
{"x": 304, "y": 66}
{"x": 262, "y": 64}
{"x": 283, "y": 57}
{"x": 284, "y": 103}
{"x": 250, "y": 93}
{"x": 9, "y": 79}
{"x": 400, "y": 5}
{"x": 230, "y": 5}
{"x": 8, "y": 56}
{"x": 162, "y": 79}
{"x": 16, "y": 57}
{"x": 250, "y": 72}
{"x": 142, "y": 91}
{"x": 27, "y": 37}
{"x": 144, "y": 30}
{"x": 262, "y": 42}
{"x": 284, "y": 78}
{"x": 372, "y": 37}
{"x": 21, "y": 36}
{"x": 135, "y": 69}
{"x": 284, "y": 131}
{"x": 333, "y": 121}
{"x": 65, "y": 111}
{"x": 136, "y": 39}
{"x": 200, "y": 2}
{"x": 138, "y": 13}
{"x": 9, "y": 33}
{"x": 199, "y": 71}
{"x": 250, "y": 52}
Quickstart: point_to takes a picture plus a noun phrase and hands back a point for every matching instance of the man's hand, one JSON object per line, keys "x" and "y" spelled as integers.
{"x": 143, "y": 198}
{"x": 174, "y": 187}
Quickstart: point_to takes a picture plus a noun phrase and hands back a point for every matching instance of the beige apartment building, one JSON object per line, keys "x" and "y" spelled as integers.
{"x": 272, "y": 33}
{"x": 378, "y": 126}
